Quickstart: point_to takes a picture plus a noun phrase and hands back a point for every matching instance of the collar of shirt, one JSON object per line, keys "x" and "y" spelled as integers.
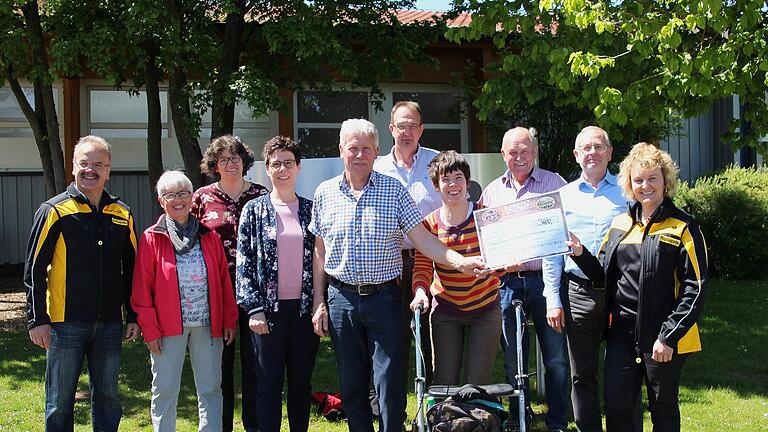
{"x": 509, "y": 181}
{"x": 398, "y": 163}
{"x": 608, "y": 180}
{"x": 347, "y": 189}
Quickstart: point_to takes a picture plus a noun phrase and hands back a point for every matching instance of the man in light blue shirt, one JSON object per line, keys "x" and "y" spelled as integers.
{"x": 573, "y": 301}
{"x": 407, "y": 162}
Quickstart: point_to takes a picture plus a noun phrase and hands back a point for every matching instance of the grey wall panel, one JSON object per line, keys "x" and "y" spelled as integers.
{"x": 4, "y": 240}
{"x": 134, "y": 190}
{"x": 697, "y": 146}
{"x": 10, "y": 207}
{"x": 22, "y": 193}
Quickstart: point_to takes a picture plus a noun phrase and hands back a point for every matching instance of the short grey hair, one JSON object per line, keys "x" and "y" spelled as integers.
{"x": 589, "y": 130}
{"x": 358, "y": 126}
{"x": 95, "y": 141}
{"x": 170, "y": 179}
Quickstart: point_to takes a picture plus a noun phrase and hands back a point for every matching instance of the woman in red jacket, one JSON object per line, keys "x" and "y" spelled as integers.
{"x": 183, "y": 297}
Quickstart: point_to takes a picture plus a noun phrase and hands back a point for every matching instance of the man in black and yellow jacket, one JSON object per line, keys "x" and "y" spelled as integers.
{"x": 78, "y": 275}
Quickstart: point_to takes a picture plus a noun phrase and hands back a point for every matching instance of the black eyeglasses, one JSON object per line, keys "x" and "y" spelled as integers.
{"x": 168, "y": 196}
{"x": 288, "y": 164}
{"x": 224, "y": 161}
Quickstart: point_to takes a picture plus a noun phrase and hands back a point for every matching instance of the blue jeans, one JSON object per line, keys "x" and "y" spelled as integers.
{"x": 553, "y": 345}
{"x": 366, "y": 333}
{"x": 99, "y": 342}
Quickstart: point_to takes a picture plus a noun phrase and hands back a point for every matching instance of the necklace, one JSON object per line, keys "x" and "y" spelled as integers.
{"x": 236, "y": 196}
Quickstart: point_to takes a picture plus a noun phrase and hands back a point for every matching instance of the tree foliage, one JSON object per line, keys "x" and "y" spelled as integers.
{"x": 216, "y": 53}
{"x": 211, "y": 54}
{"x": 633, "y": 67}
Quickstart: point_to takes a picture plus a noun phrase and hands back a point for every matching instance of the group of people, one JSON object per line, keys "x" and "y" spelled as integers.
{"x": 385, "y": 237}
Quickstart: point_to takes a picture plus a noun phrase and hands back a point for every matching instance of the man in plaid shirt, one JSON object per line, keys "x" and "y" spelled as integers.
{"x": 359, "y": 219}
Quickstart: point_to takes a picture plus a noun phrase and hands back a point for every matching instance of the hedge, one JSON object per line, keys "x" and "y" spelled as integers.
{"x": 732, "y": 208}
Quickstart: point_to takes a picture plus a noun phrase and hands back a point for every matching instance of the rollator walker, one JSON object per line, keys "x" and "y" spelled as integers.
{"x": 443, "y": 392}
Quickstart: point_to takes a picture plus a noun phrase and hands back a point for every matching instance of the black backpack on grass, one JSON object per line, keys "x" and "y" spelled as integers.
{"x": 472, "y": 409}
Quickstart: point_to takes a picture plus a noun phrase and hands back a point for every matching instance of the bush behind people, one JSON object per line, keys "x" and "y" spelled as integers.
{"x": 732, "y": 208}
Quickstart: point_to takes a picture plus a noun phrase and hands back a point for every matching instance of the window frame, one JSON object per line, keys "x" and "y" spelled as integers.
{"x": 89, "y": 125}
{"x": 381, "y": 119}
{"x": 22, "y": 123}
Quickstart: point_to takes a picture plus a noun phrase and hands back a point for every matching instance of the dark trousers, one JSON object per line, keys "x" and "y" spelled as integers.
{"x": 288, "y": 349}
{"x": 623, "y": 378}
{"x": 367, "y": 339}
{"x": 585, "y": 321}
{"x": 248, "y": 382}
{"x": 426, "y": 342}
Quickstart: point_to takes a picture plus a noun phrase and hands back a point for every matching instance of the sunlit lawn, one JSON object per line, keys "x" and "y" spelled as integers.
{"x": 724, "y": 388}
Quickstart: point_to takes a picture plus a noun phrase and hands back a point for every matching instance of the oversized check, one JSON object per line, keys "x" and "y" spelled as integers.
{"x": 525, "y": 230}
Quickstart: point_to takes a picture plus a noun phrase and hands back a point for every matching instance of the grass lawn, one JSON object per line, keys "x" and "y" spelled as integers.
{"x": 725, "y": 387}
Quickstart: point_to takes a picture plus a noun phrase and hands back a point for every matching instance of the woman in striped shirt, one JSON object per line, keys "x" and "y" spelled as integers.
{"x": 464, "y": 308}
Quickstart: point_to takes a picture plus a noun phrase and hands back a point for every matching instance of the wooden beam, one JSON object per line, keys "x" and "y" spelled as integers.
{"x": 71, "y": 121}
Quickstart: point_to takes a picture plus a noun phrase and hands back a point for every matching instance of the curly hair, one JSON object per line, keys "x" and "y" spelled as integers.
{"x": 278, "y": 143}
{"x": 648, "y": 156}
{"x": 226, "y": 142}
{"x": 447, "y": 162}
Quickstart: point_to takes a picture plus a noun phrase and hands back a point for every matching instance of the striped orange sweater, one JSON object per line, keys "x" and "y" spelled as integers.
{"x": 453, "y": 291}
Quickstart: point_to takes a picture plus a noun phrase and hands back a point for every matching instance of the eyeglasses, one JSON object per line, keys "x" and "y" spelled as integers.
{"x": 599, "y": 148}
{"x": 410, "y": 127}
{"x": 93, "y": 165}
{"x": 288, "y": 164}
{"x": 224, "y": 161}
{"x": 168, "y": 196}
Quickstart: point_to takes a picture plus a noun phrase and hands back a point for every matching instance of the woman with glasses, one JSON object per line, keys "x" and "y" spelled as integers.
{"x": 182, "y": 295}
{"x": 274, "y": 286}
{"x": 218, "y": 207}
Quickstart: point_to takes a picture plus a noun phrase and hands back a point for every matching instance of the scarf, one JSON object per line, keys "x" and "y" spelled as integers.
{"x": 183, "y": 237}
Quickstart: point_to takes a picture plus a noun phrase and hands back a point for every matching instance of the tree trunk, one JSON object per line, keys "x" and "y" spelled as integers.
{"x": 154, "y": 121}
{"x": 45, "y": 112}
{"x": 38, "y": 131}
{"x": 181, "y": 113}
{"x": 223, "y": 108}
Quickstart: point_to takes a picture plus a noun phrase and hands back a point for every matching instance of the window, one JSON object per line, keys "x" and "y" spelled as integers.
{"x": 252, "y": 131}
{"x": 120, "y": 114}
{"x": 13, "y": 124}
{"x": 441, "y": 113}
{"x": 319, "y": 116}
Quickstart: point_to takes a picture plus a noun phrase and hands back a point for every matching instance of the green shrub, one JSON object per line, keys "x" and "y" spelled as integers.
{"x": 732, "y": 208}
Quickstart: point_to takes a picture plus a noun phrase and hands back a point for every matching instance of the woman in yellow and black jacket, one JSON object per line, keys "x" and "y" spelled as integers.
{"x": 653, "y": 262}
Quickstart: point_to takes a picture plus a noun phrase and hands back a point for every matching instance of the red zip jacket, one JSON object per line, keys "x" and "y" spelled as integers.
{"x": 155, "y": 296}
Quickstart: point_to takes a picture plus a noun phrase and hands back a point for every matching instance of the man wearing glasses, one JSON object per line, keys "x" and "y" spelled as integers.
{"x": 573, "y": 301}
{"x": 78, "y": 273}
{"x": 407, "y": 162}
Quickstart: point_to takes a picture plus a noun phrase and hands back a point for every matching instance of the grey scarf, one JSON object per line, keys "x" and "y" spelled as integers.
{"x": 183, "y": 237}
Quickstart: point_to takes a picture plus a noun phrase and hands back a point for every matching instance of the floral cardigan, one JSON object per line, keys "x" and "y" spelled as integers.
{"x": 256, "y": 270}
